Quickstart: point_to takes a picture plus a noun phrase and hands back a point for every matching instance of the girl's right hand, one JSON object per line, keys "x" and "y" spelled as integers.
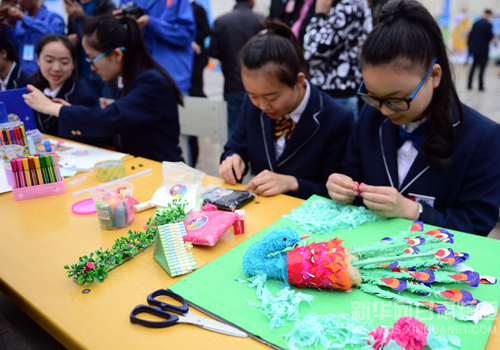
{"x": 231, "y": 166}
{"x": 341, "y": 188}
{"x": 41, "y": 103}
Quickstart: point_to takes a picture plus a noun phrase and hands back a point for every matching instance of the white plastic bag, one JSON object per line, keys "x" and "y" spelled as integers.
{"x": 180, "y": 182}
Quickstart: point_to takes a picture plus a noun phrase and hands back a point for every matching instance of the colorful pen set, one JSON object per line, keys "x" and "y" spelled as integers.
{"x": 13, "y": 136}
{"x": 38, "y": 169}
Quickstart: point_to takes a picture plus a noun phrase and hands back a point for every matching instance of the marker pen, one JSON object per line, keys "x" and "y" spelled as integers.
{"x": 16, "y": 136}
{"x": 6, "y": 137}
{"x": 20, "y": 172}
{"x": 2, "y": 142}
{"x": 45, "y": 173}
{"x": 12, "y": 136}
{"x": 31, "y": 164}
{"x": 39, "y": 174}
{"x": 50, "y": 170}
{"x": 13, "y": 165}
{"x": 20, "y": 137}
{"x": 27, "y": 175}
{"x": 25, "y": 139}
{"x": 53, "y": 160}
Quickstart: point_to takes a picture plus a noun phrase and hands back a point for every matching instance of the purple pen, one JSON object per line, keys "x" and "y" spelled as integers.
{"x": 12, "y": 136}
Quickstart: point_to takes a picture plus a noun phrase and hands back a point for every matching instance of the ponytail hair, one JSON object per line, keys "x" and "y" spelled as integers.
{"x": 408, "y": 36}
{"x": 107, "y": 33}
{"x": 274, "y": 44}
{"x": 38, "y": 79}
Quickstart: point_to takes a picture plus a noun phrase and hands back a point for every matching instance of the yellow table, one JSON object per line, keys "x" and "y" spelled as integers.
{"x": 39, "y": 236}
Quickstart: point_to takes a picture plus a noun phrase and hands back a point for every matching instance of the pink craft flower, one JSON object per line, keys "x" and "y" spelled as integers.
{"x": 88, "y": 267}
{"x": 378, "y": 336}
{"x": 128, "y": 245}
{"x": 410, "y": 333}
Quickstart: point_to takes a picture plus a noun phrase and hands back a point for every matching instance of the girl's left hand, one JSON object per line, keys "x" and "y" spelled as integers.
{"x": 387, "y": 201}
{"x": 41, "y": 103}
{"x": 267, "y": 183}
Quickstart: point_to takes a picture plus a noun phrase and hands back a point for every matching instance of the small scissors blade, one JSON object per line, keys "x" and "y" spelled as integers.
{"x": 211, "y": 325}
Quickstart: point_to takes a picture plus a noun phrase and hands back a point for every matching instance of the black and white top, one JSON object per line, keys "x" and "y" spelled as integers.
{"x": 332, "y": 44}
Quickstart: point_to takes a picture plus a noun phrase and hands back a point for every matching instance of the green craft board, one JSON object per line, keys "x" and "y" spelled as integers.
{"x": 213, "y": 287}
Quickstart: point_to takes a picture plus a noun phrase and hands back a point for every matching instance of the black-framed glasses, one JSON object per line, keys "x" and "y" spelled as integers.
{"x": 397, "y": 104}
{"x": 93, "y": 60}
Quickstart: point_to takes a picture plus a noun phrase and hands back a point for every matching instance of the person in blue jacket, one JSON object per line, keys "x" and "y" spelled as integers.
{"x": 31, "y": 25}
{"x": 417, "y": 152}
{"x": 57, "y": 58}
{"x": 289, "y": 133}
{"x": 168, "y": 28}
{"x": 11, "y": 74}
{"x": 144, "y": 120}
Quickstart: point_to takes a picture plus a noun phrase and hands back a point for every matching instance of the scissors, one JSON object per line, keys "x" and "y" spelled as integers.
{"x": 170, "y": 319}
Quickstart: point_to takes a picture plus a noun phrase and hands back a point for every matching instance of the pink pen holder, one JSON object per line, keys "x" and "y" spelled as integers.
{"x": 32, "y": 180}
{"x": 39, "y": 191}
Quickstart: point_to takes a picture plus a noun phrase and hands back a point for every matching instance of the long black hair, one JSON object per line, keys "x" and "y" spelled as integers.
{"x": 6, "y": 44}
{"x": 107, "y": 33}
{"x": 38, "y": 80}
{"x": 408, "y": 33}
{"x": 274, "y": 44}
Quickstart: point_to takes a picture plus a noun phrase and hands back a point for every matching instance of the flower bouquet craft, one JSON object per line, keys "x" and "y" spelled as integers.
{"x": 416, "y": 264}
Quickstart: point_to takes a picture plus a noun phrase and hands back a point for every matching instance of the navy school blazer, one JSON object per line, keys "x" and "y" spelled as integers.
{"x": 467, "y": 193}
{"x": 145, "y": 122}
{"x": 314, "y": 151}
{"x": 18, "y": 79}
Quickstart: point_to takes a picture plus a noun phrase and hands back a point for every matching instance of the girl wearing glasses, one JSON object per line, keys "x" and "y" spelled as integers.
{"x": 417, "y": 152}
{"x": 286, "y": 126}
{"x": 56, "y": 57}
{"x": 144, "y": 121}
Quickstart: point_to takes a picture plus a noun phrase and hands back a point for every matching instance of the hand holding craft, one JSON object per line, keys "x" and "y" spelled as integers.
{"x": 387, "y": 201}
{"x": 267, "y": 183}
{"x": 41, "y": 103}
{"x": 231, "y": 169}
{"x": 341, "y": 188}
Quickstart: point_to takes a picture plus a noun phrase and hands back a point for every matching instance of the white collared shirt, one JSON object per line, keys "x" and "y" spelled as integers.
{"x": 51, "y": 93}
{"x": 279, "y": 145}
{"x": 4, "y": 83}
{"x": 407, "y": 152}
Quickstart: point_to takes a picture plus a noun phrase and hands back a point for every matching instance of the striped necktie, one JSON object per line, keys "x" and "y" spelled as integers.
{"x": 283, "y": 127}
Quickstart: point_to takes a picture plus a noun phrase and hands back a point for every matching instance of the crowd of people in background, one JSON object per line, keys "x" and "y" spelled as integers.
{"x": 348, "y": 98}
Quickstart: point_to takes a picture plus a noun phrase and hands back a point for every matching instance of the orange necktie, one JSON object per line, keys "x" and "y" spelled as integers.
{"x": 283, "y": 127}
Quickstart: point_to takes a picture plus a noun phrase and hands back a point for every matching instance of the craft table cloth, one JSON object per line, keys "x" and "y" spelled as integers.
{"x": 214, "y": 288}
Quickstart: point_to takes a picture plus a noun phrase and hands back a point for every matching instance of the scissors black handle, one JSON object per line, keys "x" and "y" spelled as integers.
{"x": 170, "y": 319}
{"x": 183, "y": 309}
